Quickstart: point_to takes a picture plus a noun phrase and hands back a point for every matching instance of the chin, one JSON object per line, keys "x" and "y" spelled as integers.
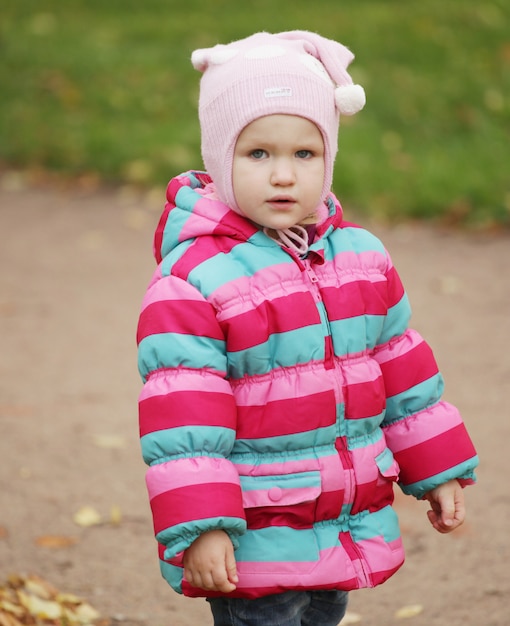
{"x": 282, "y": 221}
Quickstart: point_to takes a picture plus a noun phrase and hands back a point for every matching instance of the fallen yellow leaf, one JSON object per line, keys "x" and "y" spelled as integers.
{"x": 45, "y": 609}
{"x": 409, "y": 611}
{"x": 10, "y": 607}
{"x": 110, "y": 441}
{"x": 33, "y": 601}
{"x": 55, "y": 541}
{"x": 115, "y": 515}
{"x": 85, "y": 613}
{"x": 351, "y": 618}
{"x": 68, "y": 598}
{"x": 87, "y": 516}
{"x": 8, "y": 620}
{"x": 39, "y": 587}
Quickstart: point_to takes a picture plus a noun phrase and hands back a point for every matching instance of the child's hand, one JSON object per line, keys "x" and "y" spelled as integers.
{"x": 209, "y": 562}
{"x": 448, "y": 511}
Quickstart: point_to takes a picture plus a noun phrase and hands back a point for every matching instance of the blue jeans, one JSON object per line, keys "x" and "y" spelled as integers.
{"x": 291, "y": 608}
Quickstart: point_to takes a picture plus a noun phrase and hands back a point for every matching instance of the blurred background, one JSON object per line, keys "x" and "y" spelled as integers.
{"x": 96, "y": 93}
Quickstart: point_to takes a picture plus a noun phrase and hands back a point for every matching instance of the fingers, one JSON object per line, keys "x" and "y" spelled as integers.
{"x": 442, "y": 526}
{"x": 209, "y": 563}
{"x": 231, "y": 568}
{"x": 210, "y": 580}
{"x": 448, "y": 510}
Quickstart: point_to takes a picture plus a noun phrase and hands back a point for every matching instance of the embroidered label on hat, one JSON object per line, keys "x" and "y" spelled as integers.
{"x": 278, "y": 92}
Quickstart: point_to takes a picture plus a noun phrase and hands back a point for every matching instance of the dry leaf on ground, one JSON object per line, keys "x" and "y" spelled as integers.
{"x": 32, "y": 601}
{"x": 110, "y": 441}
{"x": 409, "y": 611}
{"x": 87, "y": 516}
{"x": 115, "y": 515}
{"x": 55, "y": 541}
{"x": 39, "y": 607}
{"x": 351, "y": 618}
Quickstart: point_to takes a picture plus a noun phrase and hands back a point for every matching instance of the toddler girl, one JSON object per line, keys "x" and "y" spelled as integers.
{"x": 284, "y": 393}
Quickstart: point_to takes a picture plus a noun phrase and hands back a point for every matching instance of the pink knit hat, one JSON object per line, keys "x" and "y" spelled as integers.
{"x": 294, "y": 73}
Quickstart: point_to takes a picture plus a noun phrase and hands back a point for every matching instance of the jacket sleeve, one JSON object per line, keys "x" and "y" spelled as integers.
{"x": 187, "y": 417}
{"x": 426, "y": 434}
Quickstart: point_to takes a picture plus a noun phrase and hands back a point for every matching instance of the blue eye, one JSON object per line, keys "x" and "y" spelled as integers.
{"x": 303, "y": 154}
{"x": 258, "y": 154}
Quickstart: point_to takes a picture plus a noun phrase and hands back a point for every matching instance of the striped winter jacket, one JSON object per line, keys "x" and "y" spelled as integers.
{"x": 283, "y": 398}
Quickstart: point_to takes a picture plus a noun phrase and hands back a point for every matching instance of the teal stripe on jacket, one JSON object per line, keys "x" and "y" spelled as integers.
{"x": 396, "y": 321}
{"x": 355, "y": 334}
{"x": 179, "y": 537}
{"x": 282, "y": 540}
{"x": 175, "y": 350}
{"x": 421, "y": 487}
{"x": 179, "y": 219}
{"x": 283, "y": 444}
{"x": 243, "y": 260}
{"x": 214, "y": 441}
{"x": 172, "y": 574}
{"x": 379, "y": 523}
{"x": 280, "y": 350}
{"x": 415, "y": 399}
{"x": 364, "y": 527}
{"x": 351, "y": 239}
{"x": 365, "y": 439}
{"x": 172, "y": 257}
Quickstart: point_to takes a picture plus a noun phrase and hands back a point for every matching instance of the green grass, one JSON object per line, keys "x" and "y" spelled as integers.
{"x": 106, "y": 87}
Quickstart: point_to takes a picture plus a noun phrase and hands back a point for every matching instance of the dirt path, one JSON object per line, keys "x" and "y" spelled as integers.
{"x": 73, "y": 269}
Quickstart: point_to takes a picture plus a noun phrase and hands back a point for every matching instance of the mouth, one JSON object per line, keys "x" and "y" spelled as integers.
{"x": 281, "y": 202}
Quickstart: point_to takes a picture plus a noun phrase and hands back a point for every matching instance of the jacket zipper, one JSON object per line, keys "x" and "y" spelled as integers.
{"x": 350, "y": 488}
{"x": 340, "y": 445}
{"x": 313, "y": 279}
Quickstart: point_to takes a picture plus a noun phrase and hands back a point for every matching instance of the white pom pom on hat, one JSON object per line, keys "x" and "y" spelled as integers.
{"x": 350, "y": 99}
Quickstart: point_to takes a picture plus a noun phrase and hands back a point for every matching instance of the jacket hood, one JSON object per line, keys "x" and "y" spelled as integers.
{"x": 193, "y": 209}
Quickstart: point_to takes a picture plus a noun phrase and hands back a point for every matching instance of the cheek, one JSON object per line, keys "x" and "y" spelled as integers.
{"x": 246, "y": 179}
{"x": 237, "y": 180}
{"x": 319, "y": 177}
{"x": 316, "y": 182}
{"x": 243, "y": 186}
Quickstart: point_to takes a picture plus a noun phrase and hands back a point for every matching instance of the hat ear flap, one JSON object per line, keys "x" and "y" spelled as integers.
{"x": 349, "y": 99}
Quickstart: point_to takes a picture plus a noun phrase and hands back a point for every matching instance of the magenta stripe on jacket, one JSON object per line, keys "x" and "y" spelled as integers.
{"x": 424, "y": 460}
{"x": 195, "y": 502}
{"x": 280, "y": 315}
{"x": 160, "y": 412}
{"x": 400, "y": 373}
{"x": 163, "y": 317}
{"x": 286, "y": 416}
{"x": 198, "y": 254}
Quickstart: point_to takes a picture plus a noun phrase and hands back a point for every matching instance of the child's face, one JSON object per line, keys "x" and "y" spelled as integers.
{"x": 278, "y": 171}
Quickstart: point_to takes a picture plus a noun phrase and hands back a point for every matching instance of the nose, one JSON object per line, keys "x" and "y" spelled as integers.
{"x": 282, "y": 173}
